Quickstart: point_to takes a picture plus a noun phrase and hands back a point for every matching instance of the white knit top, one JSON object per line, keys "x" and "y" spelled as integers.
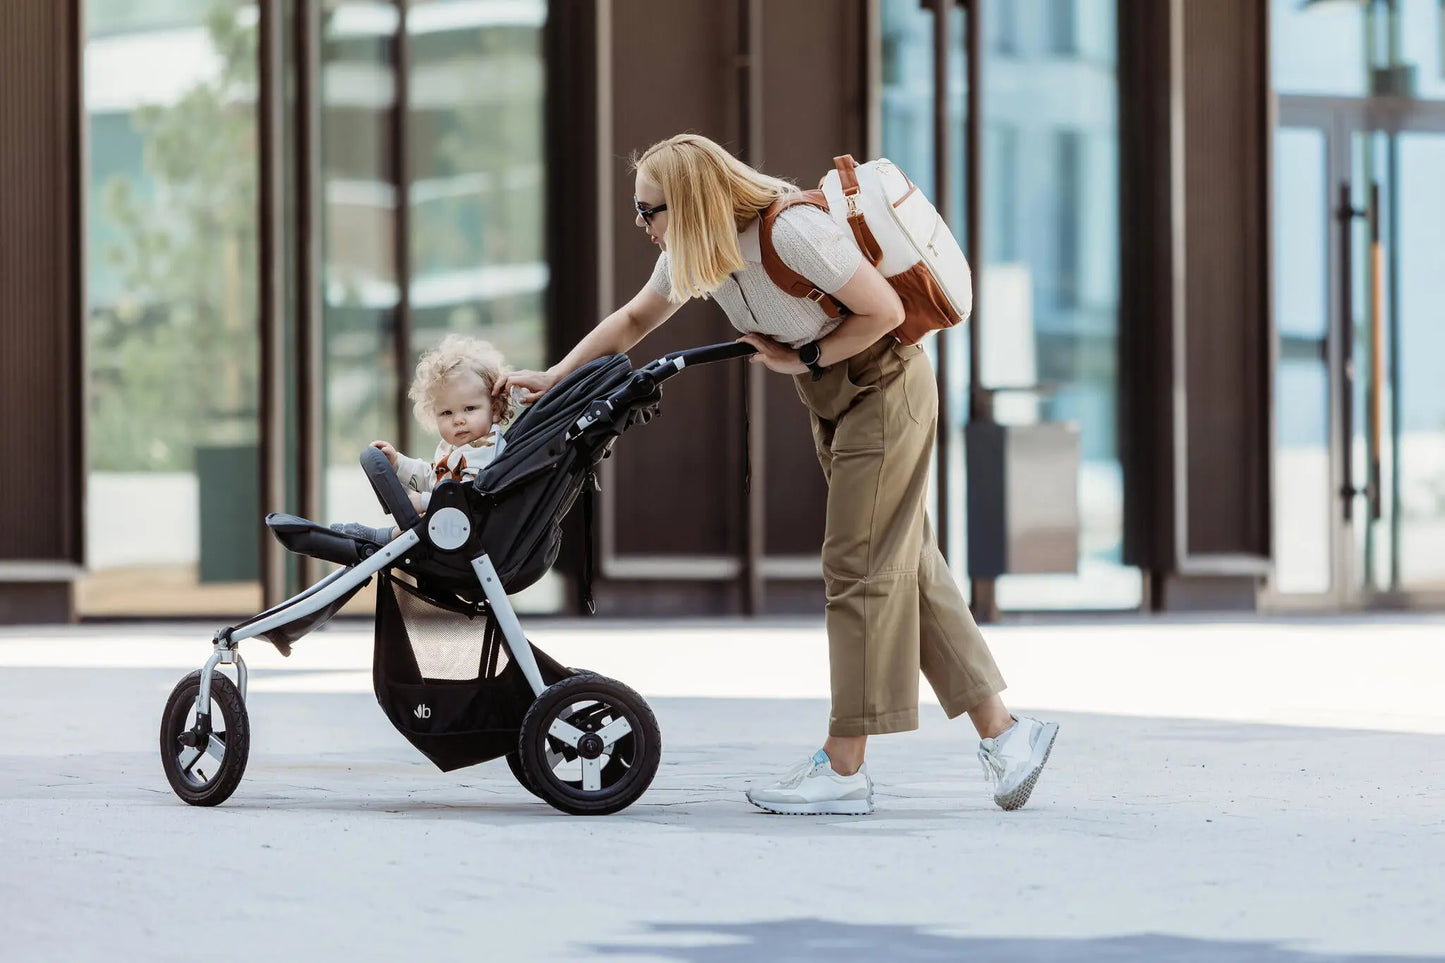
{"x": 809, "y": 242}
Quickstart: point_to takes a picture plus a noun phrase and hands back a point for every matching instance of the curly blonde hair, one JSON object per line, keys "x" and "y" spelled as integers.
{"x": 457, "y": 353}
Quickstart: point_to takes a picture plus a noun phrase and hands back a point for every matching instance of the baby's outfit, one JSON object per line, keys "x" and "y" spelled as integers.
{"x": 458, "y": 462}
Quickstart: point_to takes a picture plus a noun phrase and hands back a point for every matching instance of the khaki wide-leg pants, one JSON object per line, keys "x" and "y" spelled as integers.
{"x": 893, "y": 606}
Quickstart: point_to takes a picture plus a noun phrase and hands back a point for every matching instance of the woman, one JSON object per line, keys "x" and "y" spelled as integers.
{"x": 892, "y": 605}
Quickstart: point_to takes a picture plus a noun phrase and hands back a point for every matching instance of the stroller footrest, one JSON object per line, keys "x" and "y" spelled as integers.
{"x": 305, "y": 537}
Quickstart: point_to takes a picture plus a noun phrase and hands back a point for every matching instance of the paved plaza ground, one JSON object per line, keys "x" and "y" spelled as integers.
{"x": 1220, "y": 792}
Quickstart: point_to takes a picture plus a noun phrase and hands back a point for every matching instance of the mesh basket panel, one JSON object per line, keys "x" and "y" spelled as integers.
{"x": 448, "y": 645}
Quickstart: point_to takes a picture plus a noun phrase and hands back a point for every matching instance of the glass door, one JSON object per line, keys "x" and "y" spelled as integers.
{"x": 1359, "y": 292}
{"x": 1401, "y": 543}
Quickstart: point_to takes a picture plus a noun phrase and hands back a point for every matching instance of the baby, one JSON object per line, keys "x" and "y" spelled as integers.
{"x": 452, "y": 390}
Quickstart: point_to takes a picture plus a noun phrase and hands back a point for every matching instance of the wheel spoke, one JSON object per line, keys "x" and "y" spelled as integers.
{"x": 592, "y": 774}
{"x": 565, "y": 732}
{"x": 187, "y": 759}
{"x": 554, "y": 759}
{"x": 216, "y": 748}
{"x": 614, "y": 730}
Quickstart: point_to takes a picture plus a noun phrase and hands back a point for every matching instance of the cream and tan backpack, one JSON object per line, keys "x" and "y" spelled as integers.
{"x": 899, "y": 232}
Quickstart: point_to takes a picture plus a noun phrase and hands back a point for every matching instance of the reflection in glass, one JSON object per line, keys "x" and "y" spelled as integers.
{"x": 1304, "y": 501}
{"x": 477, "y": 160}
{"x": 1358, "y": 47}
{"x": 1419, "y": 247}
{"x": 359, "y": 289}
{"x": 172, "y": 334}
{"x": 1049, "y": 284}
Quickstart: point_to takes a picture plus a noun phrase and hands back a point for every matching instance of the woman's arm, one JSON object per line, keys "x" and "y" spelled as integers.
{"x": 876, "y": 311}
{"x": 617, "y": 333}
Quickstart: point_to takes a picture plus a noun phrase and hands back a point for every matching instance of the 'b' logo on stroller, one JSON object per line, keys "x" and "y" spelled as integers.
{"x": 422, "y": 711}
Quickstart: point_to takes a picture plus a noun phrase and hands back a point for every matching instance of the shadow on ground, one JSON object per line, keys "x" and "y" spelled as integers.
{"x": 805, "y": 940}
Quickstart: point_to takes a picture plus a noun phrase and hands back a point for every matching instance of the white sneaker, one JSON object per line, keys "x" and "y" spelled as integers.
{"x": 813, "y": 788}
{"x": 1014, "y": 760}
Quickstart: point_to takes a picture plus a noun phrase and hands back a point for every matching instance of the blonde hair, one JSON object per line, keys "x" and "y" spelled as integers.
{"x": 711, "y": 197}
{"x": 457, "y": 353}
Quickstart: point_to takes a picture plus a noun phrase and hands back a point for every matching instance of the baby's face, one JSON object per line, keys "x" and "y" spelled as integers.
{"x": 464, "y": 408}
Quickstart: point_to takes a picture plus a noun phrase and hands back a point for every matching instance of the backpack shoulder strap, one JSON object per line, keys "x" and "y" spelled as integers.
{"x": 779, "y": 273}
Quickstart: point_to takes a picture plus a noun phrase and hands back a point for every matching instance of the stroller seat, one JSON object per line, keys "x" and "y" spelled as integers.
{"x": 305, "y": 537}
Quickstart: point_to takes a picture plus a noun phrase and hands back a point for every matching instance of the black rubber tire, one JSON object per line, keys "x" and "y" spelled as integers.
{"x": 514, "y": 763}
{"x": 237, "y": 737}
{"x": 630, "y": 768}
{"x": 514, "y": 758}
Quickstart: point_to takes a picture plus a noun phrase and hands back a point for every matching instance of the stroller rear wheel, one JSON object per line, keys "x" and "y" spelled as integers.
{"x": 204, "y": 759}
{"x": 589, "y": 745}
{"x": 514, "y": 763}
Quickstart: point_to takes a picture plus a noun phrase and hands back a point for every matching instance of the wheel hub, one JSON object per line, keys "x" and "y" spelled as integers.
{"x": 590, "y": 746}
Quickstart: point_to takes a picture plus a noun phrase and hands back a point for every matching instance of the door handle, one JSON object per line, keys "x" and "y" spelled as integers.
{"x": 1346, "y": 214}
{"x": 1377, "y": 351}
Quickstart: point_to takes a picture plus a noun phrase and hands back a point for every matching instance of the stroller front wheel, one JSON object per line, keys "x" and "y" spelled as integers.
{"x": 589, "y": 745}
{"x": 204, "y": 761}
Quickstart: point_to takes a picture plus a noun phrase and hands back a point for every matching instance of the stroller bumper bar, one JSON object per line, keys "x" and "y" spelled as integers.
{"x": 641, "y": 388}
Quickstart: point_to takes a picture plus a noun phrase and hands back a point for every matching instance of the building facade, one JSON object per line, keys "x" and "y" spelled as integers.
{"x": 1206, "y": 234}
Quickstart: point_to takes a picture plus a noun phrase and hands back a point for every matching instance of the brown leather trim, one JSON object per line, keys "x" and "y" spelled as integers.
{"x": 845, "y": 165}
{"x": 867, "y": 243}
{"x": 925, "y": 307}
{"x": 908, "y": 193}
{"x": 790, "y": 281}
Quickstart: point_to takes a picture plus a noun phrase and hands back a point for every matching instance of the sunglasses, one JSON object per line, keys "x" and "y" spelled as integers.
{"x": 647, "y": 212}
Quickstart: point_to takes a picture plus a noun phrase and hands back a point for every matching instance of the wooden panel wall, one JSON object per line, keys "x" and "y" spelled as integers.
{"x": 1227, "y": 324}
{"x": 40, "y": 359}
{"x": 676, "y": 485}
{"x": 1195, "y": 346}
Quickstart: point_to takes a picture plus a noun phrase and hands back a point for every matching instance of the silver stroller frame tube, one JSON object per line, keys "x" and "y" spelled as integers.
{"x": 312, "y": 600}
{"x": 337, "y": 584}
{"x": 517, "y": 644}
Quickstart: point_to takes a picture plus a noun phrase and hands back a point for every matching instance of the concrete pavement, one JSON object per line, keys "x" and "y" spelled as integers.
{"x": 1224, "y": 792}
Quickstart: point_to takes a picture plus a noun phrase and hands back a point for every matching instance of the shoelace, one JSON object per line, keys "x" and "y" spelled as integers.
{"x": 993, "y": 769}
{"x": 794, "y": 777}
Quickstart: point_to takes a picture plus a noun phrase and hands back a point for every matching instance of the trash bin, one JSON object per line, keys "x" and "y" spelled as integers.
{"x": 230, "y": 507}
{"x": 1023, "y": 498}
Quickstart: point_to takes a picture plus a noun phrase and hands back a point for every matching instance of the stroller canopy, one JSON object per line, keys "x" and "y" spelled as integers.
{"x": 538, "y": 438}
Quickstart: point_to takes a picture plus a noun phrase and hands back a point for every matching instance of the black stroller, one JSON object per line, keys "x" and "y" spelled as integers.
{"x": 451, "y": 668}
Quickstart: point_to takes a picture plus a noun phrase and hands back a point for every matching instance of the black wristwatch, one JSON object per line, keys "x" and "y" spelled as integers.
{"x": 810, "y": 354}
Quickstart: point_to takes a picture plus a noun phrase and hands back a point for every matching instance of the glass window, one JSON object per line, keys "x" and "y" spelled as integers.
{"x": 1049, "y": 285}
{"x": 1419, "y": 460}
{"x": 360, "y": 296}
{"x": 477, "y": 112}
{"x": 172, "y": 335}
{"x": 1356, "y": 47}
{"x": 1049, "y": 282}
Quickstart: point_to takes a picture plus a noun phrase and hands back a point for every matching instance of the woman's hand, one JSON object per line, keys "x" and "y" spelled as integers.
{"x": 778, "y": 357}
{"x": 531, "y": 385}
{"x": 386, "y": 449}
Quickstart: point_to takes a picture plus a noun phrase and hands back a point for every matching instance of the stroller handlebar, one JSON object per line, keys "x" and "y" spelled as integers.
{"x": 642, "y": 387}
{"x": 707, "y": 354}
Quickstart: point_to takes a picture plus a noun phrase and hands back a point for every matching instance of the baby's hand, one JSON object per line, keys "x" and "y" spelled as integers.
{"x": 385, "y": 448}
{"x": 417, "y": 502}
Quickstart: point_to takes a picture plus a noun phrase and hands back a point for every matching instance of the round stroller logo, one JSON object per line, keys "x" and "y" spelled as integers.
{"x": 449, "y": 529}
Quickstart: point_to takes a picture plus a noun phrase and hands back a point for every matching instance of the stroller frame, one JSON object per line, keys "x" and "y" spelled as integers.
{"x": 341, "y": 583}
{"x": 631, "y": 734}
